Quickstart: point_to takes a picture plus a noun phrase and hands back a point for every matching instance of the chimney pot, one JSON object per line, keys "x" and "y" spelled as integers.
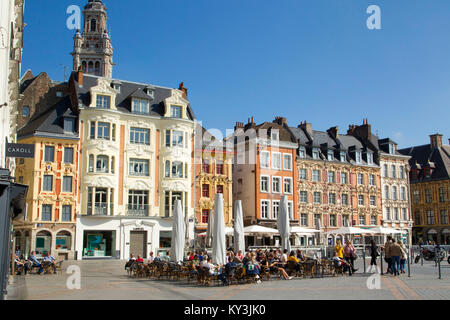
{"x": 80, "y": 76}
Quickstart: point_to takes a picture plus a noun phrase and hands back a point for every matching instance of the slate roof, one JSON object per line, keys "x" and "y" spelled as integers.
{"x": 425, "y": 154}
{"x": 127, "y": 90}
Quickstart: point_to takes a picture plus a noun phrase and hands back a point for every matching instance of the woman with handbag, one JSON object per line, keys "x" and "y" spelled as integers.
{"x": 350, "y": 255}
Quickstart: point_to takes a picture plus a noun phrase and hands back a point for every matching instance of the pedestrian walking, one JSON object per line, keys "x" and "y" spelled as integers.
{"x": 396, "y": 254}
{"x": 403, "y": 257}
{"x": 350, "y": 255}
{"x": 373, "y": 254}
{"x": 387, "y": 254}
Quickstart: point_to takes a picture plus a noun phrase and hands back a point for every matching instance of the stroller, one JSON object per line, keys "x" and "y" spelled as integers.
{"x": 228, "y": 273}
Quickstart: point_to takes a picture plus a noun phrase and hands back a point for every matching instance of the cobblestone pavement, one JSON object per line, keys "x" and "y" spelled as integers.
{"x": 107, "y": 279}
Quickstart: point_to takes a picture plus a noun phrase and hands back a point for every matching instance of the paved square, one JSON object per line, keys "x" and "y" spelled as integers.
{"x": 107, "y": 279}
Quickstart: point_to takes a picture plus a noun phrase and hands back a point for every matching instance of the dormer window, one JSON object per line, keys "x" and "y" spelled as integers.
{"x": 369, "y": 157}
{"x": 150, "y": 92}
{"x": 175, "y": 111}
{"x": 302, "y": 152}
{"x": 69, "y": 125}
{"x": 140, "y": 106}
{"x": 358, "y": 156}
{"x": 343, "y": 156}
{"x": 275, "y": 136}
{"x": 391, "y": 148}
{"x": 103, "y": 102}
{"x": 330, "y": 155}
{"x": 315, "y": 153}
{"x": 116, "y": 86}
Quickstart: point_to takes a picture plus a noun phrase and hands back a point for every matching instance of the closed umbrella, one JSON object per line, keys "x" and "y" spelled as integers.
{"x": 239, "y": 240}
{"x": 209, "y": 230}
{"x": 218, "y": 243}
{"x": 178, "y": 234}
{"x": 284, "y": 224}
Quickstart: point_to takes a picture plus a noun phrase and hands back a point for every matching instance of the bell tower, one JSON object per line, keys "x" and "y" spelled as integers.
{"x": 92, "y": 49}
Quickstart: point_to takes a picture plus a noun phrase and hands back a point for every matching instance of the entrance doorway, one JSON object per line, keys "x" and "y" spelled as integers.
{"x": 138, "y": 243}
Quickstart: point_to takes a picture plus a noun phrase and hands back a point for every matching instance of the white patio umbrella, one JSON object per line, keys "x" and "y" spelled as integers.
{"x": 210, "y": 230}
{"x": 228, "y": 232}
{"x": 218, "y": 243}
{"x": 284, "y": 224}
{"x": 255, "y": 229}
{"x": 383, "y": 230}
{"x": 239, "y": 239}
{"x": 301, "y": 230}
{"x": 178, "y": 234}
{"x": 350, "y": 230}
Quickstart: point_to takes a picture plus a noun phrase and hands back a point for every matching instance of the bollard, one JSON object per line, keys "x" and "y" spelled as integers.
{"x": 364, "y": 259}
{"x": 439, "y": 264}
{"x": 409, "y": 265}
{"x": 381, "y": 261}
{"x": 421, "y": 257}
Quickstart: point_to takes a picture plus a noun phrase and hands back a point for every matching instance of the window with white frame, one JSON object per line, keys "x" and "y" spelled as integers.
{"x": 46, "y": 212}
{"x": 344, "y": 199}
{"x": 290, "y": 208}
{"x": 373, "y": 220}
{"x": 391, "y": 148}
{"x": 360, "y": 200}
{"x": 393, "y": 171}
{"x": 332, "y": 220}
{"x": 275, "y": 209}
{"x": 175, "y": 111}
{"x": 396, "y": 214}
{"x": 66, "y": 213}
{"x": 388, "y": 213}
{"x": 315, "y": 153}
{"x": 371, "y": 179}
{"x": 67, "y": 184}
{"x": 177, "y": 169}
{"x": 358, "y": 156}
{"x": 287, "y": 182}
{"x": 177, "y": 138}
{"x": 369, "y": 157}
{"x": 360, "y": 178}
{"x": 344, "y": 177}
{"x": 385, "y": 171}
{"x": 102, "y": 164}
{"x": 103, "y": 102}
{"x": 316, "y": 175}
{"x": 401, "y": 172}
{"x": 362, "y": 220}
{"x": 394, "y": 193}
{"x": 265, "y": 209}
{"x": 287, "y": 161}
{"x": 302, "y": 152}
{"x": 265, "y": 159}
{"x": 139, "y": 167}
{"x": 47, "y": 184}
{"x": 416, "y": 196}
{"x": 330, "y": 155}
{"x": 372, "y": 201}
{"x": 317, "y": 197}
{"x": 276, "y": 160}
{"x": 302, "y": 174}
{"x": 303, "y": 196}
{"x": 331, "y": 177}
{"x": 430, "y": 217}
{"x": 140, "y": 136}
{"x": 403, "y": 193}
{"x": 404, "y": 214}
{"x": 276, "y": 184}
{"x": 275, "y": 135}
{"x": 265, "y": 184}
{"x": 386, "y": 192}
{"x": 332, "y": 198}
{"x": 103, "y": 130}
{"x": 140, "y": 106}
{"x": 304, "y": 219}
{"x": 343, "y": 156}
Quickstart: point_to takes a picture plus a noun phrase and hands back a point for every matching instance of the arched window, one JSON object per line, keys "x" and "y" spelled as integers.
{"x": 386, "y": 192}
{"x": 63, "y": 240}
{"x": 43, "y": 242}
{"x": 93, "y": 25}
{"x": 102, "y": 164}
{"x": 97, "y": 68}
{"x": 90, "y": 67}
{"x": 112, "y": 164}
{"x": 394, "y": 193}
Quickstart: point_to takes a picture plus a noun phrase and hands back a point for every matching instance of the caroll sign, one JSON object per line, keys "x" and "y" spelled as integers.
{"x": 19, "y": 150}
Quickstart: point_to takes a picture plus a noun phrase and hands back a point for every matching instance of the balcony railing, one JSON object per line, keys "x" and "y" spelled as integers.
{"x": 100, "y": 209}
{"x": 136, "y": 210}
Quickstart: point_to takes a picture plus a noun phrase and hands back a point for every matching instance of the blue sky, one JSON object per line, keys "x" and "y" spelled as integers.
{"x": 311, "y": 60}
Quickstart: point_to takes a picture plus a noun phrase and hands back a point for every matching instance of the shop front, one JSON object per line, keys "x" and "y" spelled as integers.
{"x": 99, "y": 243}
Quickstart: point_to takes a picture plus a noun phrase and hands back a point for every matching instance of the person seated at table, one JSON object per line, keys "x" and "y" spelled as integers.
{"x": 292, "y": 257}
{"x": 341, "y": 262}
{"x": 20, "y": 265}
{"x": 300, "y": 255}
{"x": 272, "y": 265}
{"x": 139, "y": 259}
{"x": 239, "y": 255}
{"x": 158, "y": 257}
{"x": 50, "y": 260}
{"x": 252, "y": 266}
{"x": 151, "y": 258}
{"x": 130, "y": 261}
{"x": 35, "y": 261}
{"x": 195, "y": 261}
{"x": 207, "y": 263}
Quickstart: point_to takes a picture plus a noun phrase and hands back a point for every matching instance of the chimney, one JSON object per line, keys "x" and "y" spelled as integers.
{"x": 239, "y": 125}
{"x": 306, "y": 127}
{"x": 280, "y": 120}
{"x": 80, "y": 76}
{"x": 334, "y": 132}
{"x": 185, "y": 90}
{"x": 436, "y": 140}
{"x": 363, "y": 131}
